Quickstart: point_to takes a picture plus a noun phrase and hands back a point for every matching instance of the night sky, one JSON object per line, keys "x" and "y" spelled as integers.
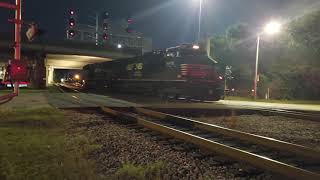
{"x": 167, "y": 22}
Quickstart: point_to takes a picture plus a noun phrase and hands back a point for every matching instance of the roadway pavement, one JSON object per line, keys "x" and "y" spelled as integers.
{"x": 77, "y": 100}
{"x": 64, "y": 100}
{"x": 222, "y": 104}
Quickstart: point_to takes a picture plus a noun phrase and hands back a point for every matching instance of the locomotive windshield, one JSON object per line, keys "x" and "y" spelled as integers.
{"x": 187, "y": 54}
{"x": 184, "y": 50}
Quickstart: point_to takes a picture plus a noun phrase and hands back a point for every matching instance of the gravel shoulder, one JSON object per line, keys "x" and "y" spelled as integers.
{"x": 120, "y": 145}
{"x": 298, "y": 131}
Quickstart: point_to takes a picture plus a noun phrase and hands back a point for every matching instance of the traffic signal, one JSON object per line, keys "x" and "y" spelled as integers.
{"x": 18, "y": 71}
{"x": 71, "y": 24}
{"x": 129, "y": 20}
{"x": 105, "y": 36}
{"x": 71, "y": 33}
{"x": 72, "y": 18}
{"x": 129, "y": 23}
{"x": 71, "y": 12}
{"x": 105, "y": 26}
{"x": 106, "y": 15}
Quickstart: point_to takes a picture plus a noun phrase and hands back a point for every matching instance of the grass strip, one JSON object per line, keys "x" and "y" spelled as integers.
{"x": 34, "y": 145}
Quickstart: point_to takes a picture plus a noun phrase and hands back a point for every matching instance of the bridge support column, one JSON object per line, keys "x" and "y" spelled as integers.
{"x": 49, "y": 75}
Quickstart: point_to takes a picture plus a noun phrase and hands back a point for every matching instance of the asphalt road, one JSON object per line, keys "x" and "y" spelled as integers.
{"x": 76, "y": 100}
{"x": 157, "y": 102}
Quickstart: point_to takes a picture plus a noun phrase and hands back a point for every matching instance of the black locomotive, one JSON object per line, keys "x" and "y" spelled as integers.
{"x": 180, "y": 72}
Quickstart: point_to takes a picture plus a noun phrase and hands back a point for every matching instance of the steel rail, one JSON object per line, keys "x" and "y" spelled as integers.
{"x": 238, "y": 154}
{"x": 261, "y": 140}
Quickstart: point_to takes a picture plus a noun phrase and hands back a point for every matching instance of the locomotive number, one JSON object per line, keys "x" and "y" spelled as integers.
{"x": 139, "y": 66}
{"x": 135, "y": 66}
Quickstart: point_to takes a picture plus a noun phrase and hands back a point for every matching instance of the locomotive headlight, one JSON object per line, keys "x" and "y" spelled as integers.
{"x": 196, "y": 46}
{"x": 220, "y": 77}
{"x": 77, "y": 76}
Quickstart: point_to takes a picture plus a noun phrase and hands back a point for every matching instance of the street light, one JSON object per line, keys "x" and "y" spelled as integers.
{"x": 271, "y": 28}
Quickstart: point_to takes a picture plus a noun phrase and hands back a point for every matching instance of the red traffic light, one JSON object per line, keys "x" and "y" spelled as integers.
{"x": 105, "y": 36}
{"x": 130, "y": 21}
{"x": 71, "y": 12}
{"x": 72, "y": 22}
{"x": 18, "y": 71}
{"x": 71, "y": 33}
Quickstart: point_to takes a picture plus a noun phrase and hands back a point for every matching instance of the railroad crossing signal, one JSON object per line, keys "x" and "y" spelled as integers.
{"x": 18, "y": 71}
{"x": 34, "y": 31}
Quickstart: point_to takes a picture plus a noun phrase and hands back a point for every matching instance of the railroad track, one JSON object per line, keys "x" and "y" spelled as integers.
{"x": 65, "y": 89}
{"x": 290, "y": 160}
{"x": 313, "y": 116}
{"x": 305, "y": 115}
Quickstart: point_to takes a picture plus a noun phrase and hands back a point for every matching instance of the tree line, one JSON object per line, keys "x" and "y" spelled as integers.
{"x": 289, "y": 63}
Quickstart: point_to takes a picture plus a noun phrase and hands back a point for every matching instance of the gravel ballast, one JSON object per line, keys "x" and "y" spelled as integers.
{"x": 120, "y": 145}
{"x": 298, "y": 131}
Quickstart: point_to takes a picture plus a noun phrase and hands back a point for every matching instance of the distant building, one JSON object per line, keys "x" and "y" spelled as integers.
{"x": 116, "y": 35}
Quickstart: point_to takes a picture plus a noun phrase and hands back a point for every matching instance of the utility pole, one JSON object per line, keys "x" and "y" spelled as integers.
{"x": 97, "y": 29}
{"x": 255, "y": 83}
{"x": 17, "y": 48}
{"x": 227, "y": 75}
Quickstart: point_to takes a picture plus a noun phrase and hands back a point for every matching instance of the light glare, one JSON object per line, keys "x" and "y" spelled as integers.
{"x": 272, "y": 28}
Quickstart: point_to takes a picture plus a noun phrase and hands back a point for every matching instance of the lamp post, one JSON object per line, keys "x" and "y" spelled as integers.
{"x": 199, "y": 25}
{"x": 271, "y": 28}
{"x": 200, "y": 14}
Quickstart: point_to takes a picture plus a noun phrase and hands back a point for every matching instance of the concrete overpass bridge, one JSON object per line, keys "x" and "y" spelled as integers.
{"x": 46, "y": 56}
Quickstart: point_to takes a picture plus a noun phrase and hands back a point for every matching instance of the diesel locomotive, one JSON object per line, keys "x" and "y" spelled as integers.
{"x": 180, "y": 72}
